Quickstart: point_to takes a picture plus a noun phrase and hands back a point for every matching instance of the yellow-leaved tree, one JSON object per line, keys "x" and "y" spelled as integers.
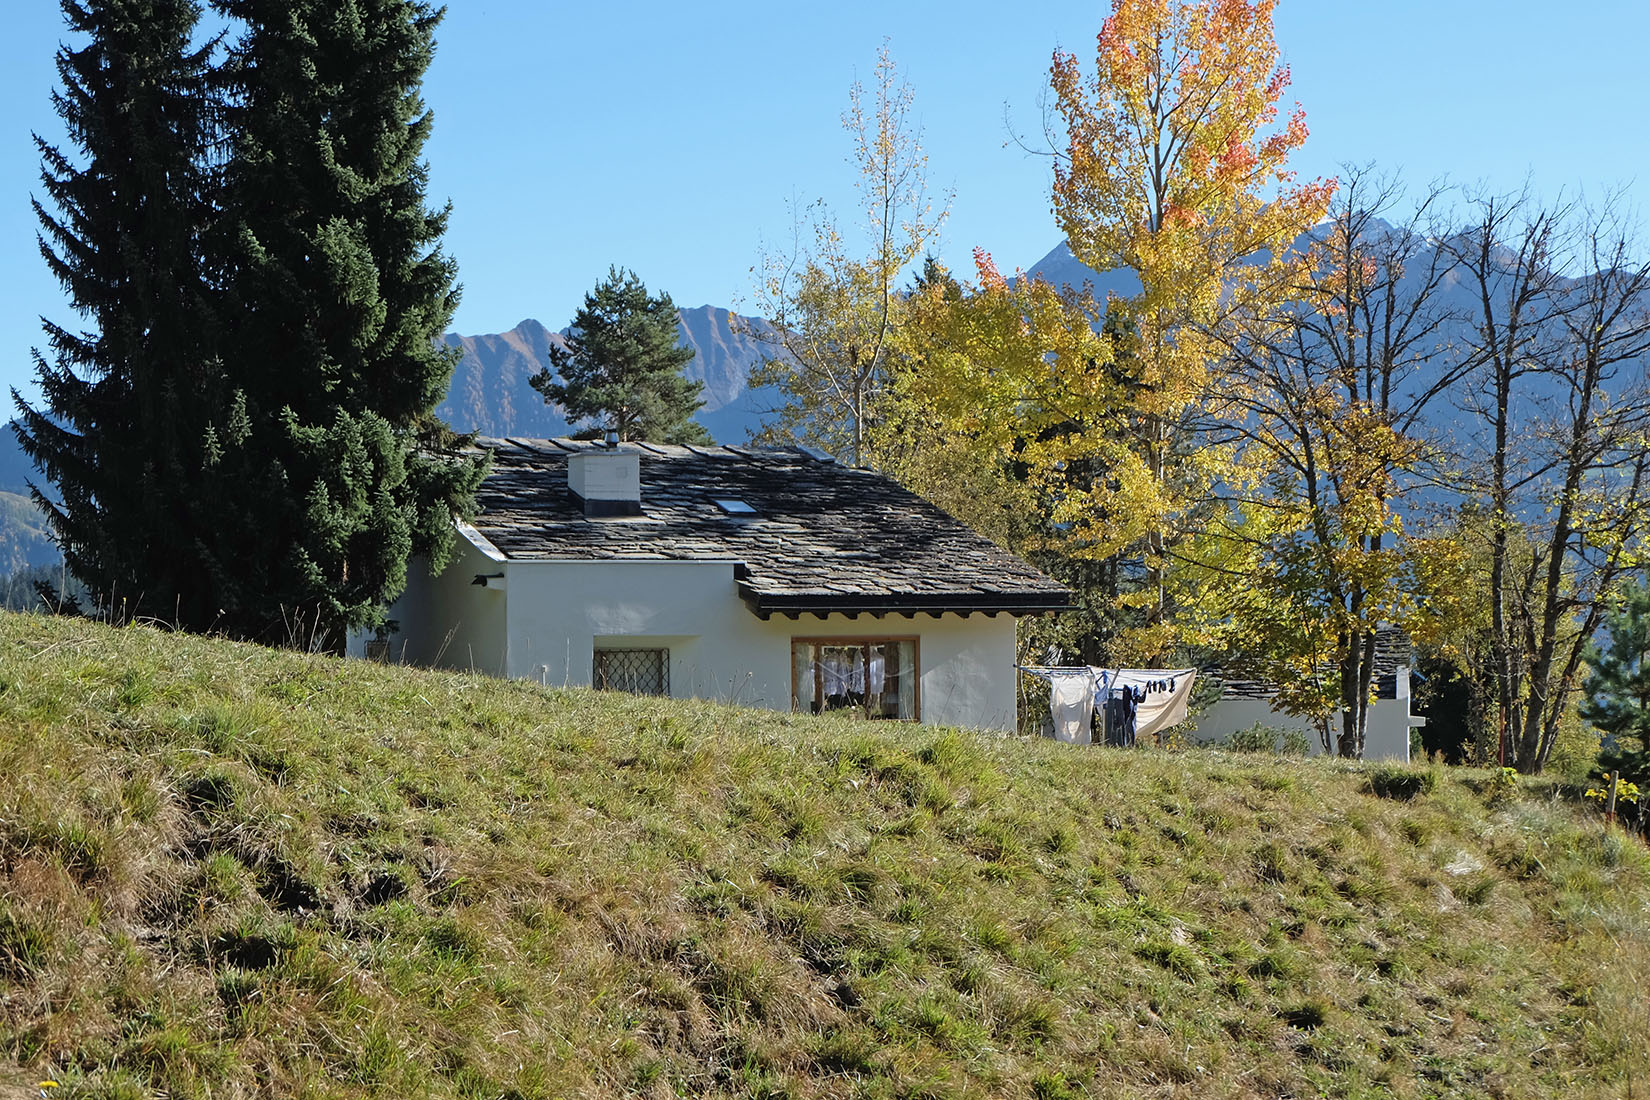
{"x": 1324, "y": 404}
{"x": 833, "y": 307}
{"x": 1175, "y": 166}
{"x": 1007, "y": 406}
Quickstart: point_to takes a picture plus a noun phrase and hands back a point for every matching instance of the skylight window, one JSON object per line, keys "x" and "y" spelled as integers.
{"x": 734, "y": 507}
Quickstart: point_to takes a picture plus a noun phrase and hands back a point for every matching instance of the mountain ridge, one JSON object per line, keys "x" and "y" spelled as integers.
{"x": 490, "y": 393}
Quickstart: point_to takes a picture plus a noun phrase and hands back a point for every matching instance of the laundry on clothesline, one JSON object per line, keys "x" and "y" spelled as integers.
{"x": 1071, "y": 702}
{"x": 1131, "y": 702}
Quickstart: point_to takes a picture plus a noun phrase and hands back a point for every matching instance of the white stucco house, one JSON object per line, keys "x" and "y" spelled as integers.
{"x": 1244, "y": 702}
{"x": 773, "y": 578}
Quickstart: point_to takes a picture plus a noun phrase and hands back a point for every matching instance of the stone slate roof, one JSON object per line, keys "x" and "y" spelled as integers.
{"x": 823, "y": 538}
{"x": 1393, "y": 651}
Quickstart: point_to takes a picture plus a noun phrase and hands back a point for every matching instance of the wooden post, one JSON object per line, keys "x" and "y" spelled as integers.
{"x": 1610, "y": 799}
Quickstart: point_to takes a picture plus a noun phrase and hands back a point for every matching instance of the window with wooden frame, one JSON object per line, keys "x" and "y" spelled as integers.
{"x": 867, "y": 677}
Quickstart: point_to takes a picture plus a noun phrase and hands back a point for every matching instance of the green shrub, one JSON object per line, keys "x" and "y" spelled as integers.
{"x": 1257, "y": 738}
{"x": 1502, "y": 787}
{"x": 1295, "y": 743}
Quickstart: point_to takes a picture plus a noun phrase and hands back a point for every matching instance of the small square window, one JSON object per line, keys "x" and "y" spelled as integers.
{"x": 735, "y": 507}
{"x": 638, "y": 671}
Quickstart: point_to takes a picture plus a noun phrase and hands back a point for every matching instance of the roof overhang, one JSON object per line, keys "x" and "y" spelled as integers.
{"x": 767, "y": 604}
{"x": 480, "y": 541}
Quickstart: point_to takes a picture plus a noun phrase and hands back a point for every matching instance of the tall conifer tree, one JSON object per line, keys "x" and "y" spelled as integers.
{"x": 338, "y": 291}
{"x": 129, "y": 396}
{"x": 1618, "y": 688}
{"x": 244, "y": 436}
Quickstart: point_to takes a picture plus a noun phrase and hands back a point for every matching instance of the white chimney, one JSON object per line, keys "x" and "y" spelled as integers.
{"x": 607, "y": 480}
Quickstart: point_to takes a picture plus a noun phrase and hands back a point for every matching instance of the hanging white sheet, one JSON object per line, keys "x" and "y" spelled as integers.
{"x": 1167, "y": 695}
{"x": 1071, "y": 702}
{"x": 1164, "y": 697}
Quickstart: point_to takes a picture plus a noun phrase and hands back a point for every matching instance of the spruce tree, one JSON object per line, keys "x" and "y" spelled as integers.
{"x": 622, "y": 365}
{"x": 337, "y": 292}
{"x": 130, "y": 395}
{"x": 1618, "y": 688}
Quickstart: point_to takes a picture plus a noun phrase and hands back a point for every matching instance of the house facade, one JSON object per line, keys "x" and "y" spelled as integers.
{"x": 771, "y": 578}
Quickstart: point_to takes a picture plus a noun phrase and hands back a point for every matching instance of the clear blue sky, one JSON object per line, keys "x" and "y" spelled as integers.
{"x": 669, "y": 137}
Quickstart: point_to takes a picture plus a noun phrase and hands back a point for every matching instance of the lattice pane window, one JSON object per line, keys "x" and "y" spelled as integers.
{"x": 638, "y": 671}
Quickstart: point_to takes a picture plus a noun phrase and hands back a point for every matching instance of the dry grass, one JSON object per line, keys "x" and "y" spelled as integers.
{"x": 228, "y": 871}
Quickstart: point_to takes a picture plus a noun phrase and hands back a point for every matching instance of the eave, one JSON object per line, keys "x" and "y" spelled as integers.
{"x": 765, "y": 605}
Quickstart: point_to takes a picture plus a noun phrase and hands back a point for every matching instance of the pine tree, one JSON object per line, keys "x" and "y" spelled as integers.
{"x": 125, "y": 428}
{"x": 1618, "y": 688}
{"x": 622, "y": 365}
{"x": 337, "y": 293}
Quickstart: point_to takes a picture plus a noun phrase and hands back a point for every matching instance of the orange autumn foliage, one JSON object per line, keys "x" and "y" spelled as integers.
{"x": 1176, "y": 166}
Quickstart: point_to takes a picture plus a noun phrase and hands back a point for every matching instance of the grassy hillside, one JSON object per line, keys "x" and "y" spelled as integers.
{"x": 227, "y": 871}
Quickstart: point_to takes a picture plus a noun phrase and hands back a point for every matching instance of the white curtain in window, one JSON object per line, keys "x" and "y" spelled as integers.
{"x": 877, "y": 679}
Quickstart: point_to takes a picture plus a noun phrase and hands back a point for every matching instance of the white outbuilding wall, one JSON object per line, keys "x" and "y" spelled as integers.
{"x": 448, "y": 621}
{"x": 543, "y": 620}
{"x": 1386, "y": 738}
